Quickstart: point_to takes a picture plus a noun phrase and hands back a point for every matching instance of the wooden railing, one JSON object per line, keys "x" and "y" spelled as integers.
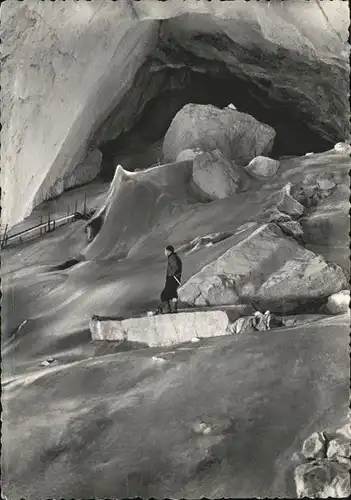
{"x": 44, "y": 227}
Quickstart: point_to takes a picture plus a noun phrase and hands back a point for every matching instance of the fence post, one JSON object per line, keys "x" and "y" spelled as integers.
{"x": 85, "y": 204}
{"x": 49, "y": 223}
{"x": 41, "y": 221}
{"x": 3, "y": 241}
{"x": 76, "y": 208}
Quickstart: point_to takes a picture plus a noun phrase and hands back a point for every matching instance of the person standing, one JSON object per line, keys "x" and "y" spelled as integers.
{"x": 169, "y": 295}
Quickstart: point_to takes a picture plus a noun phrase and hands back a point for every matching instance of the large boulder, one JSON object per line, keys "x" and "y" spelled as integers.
{"x": 161, "y": 330}
{"x": 262, "y": 167}
{"x": 343, "y": 148}
{"x": 216, "y": 175}
{"x": 239, "y": 136}
{"x": 267, "y": 267}
{"x": 301, "y": 280}
{"x": 322, "y": 479}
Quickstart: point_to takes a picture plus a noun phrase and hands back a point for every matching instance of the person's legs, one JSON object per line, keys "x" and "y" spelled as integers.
{"x": 174, "y": 305}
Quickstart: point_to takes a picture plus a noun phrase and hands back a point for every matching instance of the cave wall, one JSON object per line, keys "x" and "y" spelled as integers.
{"x": 67, "y": 66}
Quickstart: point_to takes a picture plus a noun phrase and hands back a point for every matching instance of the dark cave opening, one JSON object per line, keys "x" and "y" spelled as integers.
{"x": 141, "y": 147}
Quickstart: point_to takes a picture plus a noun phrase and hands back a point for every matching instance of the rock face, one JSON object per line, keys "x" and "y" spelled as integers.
{"x": 65, "y": 71}
{"x": 216, "y": 175}
{"x": 239, "y": 136}
{"x": 339, "y": 303}
{"x": 262, "y": 167}
{"x": 266, "y": 267}
{"x": 84, "y": 172}
{"x": 162, "y": 330}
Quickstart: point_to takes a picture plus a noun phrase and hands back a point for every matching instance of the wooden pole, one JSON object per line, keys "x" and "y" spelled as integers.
{"x": 41, "y": 221}
{"x": 3, "y": 241}
{"x": 76, "y": 207}
{"x": 85, "y": 204}
{"x": 49, "y": 222}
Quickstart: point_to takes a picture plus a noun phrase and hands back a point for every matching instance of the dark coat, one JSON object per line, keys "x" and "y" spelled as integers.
{"x": 174, "y": 267}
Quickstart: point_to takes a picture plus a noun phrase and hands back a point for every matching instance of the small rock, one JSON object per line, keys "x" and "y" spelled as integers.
{"x": 199, "y": 427}
{"x": 309, "y": 154}
{"x": 345, "y": 431}
{"x": 339, "y": 449}
{"x": 48, "y": 362}
{"x": 314, "y": 446}
{"x": 343, "y": 148}
{"x": 288, "y": 204}
{"x": 262, "y": 167}
{"x": 158, "y": 360}
{"x": 231, "y": 106}
{"x": 277, "y": 216}
{"x": 194, "y": 340}
{"x": 292, "y": 228}
{"x": 339, "y": 303}
{"x": 189, "y": 154}
{"x": 325, "y": 184}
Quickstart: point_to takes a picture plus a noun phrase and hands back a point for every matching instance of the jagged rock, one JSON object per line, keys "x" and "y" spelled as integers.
{"x": 262, "y": 167}
{"x": 258, "y": 322}
{"x": 300, "y": 280}
{"x": 231, "y": 106}
{"x": 339, "y": 303}
{"x": 292, "y": 228}
{"x": 288, "y": 204}
{"x": 314, "y": 446}
{"x": 215, "y": 175}
{"x": 343, "y": 148}
{"x": 188, "y": 154}
{"x": 322, "y": 479}
{"x": 267, "y": 267}
{"x": 339, "y": 449}
{"x": 325, "y": 184}
{"x": 242, "y": 325}
{"x": 162, "y": 330}
{"x": 204, "y": 241}
{"x": 274, "y": 215}
{"x": 239, "y": 136}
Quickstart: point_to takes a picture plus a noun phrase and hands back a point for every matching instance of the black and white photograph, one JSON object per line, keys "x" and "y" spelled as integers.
{"x": 175, "y": 249}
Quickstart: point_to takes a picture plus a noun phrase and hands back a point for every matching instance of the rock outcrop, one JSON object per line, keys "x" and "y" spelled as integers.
{"x": 266, "y": 267}
{"x": 339, "y": 303}
{"x": 215, "y": 175}
{"x": 262, "y": 167}
{"x": 161, "y": 330}
{"x": 239, "y": 136}
{"x": 324, "y": 468}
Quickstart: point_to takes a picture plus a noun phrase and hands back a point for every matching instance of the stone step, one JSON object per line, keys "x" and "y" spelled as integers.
{"x": 161, "y": 330}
